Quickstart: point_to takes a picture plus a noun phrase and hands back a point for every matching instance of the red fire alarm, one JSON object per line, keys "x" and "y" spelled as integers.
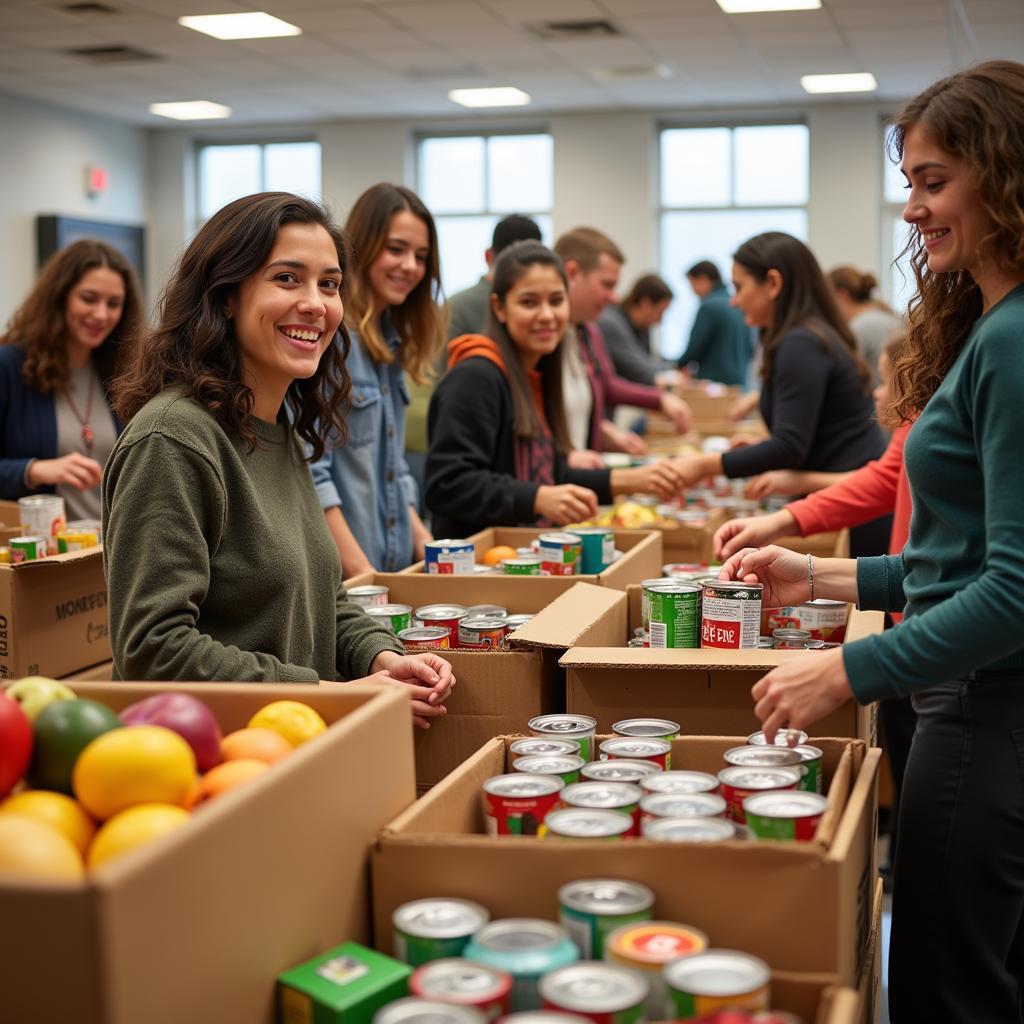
{"x": 96, "y": 180}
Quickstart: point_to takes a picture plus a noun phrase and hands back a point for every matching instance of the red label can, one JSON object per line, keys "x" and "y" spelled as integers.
{"x": 448, "y": 616}
{"x": 517, "y": 804}
{"x": 482, "y": 633}
{"x": 425, "y": 638}
{"x": 735, "y": 784}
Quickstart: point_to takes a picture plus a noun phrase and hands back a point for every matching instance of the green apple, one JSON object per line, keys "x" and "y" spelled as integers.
{"x": 34, "y": 693}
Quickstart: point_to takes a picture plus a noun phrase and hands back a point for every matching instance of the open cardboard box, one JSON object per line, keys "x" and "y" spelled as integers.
{"x": 707, "y": 691}
{"x": 10, "y": 522}
{"x": 641, "y": 559}
{"x": 500, "y": 691}
{"x": 196, "y": 926}
{"x": 53, "y": 615}
{"x": 801, "y": 906}
{"x": 102, "y": 673}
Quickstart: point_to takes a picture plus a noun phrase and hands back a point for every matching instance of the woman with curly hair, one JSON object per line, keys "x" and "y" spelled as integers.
{"x": 218, "y": 561}
{"x": 957, "y": 950}
{"x": 57, "y": 360}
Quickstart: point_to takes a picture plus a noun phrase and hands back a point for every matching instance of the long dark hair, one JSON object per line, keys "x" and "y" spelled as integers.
{"x": 974, "y": 115}
{"x": 806, "y": 300}
{"x": 39, "y": 325}
{"x": 194, "y": 345}
{"x": 509, "y": 268}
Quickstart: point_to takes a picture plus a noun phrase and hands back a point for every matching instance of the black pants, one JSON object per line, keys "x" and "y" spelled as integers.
{"x": 957, "y": 950}
{"x": 896, "y": 722}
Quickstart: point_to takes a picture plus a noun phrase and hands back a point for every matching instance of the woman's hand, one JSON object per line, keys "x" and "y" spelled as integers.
{"x": 777, "y": 481}
{"x": 615, "y": 439}
{"x": 754, "y": 532}
{"x": 660, "y": 478}
{"x": 427, "y": 677}
{"x": 744, "y": 406}
{"x": 782, "y": 572}
{"x": 677, "y": 411}
{"x": 565, "y": 503}
{"x": 801, "y": 692}
{"x": 694, "y": 468}
{"x": 584, "y": 458}
{"x": 76, "y": 470}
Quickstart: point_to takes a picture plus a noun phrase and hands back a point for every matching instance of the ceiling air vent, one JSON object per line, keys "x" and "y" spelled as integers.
{"x": 88, "y": 10}
{"x": 111, "y": 54}
{"x": 567, "y": 31}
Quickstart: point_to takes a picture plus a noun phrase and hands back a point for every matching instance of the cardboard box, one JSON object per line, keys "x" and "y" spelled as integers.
{"x": 498, "y": 692}
{"x": 197, "y": 926}
{"x": 10, "y": 522}
{"x": 835, "y": 544}
{"x": 102, "y": 673}
{"x": 53, "y": 615}
{"x": 641, "y": 559}
{"x": 815, "y": 999}
{"x": 869, "y": 990}
{"x": 707, "y": 691}
{"x": 801, "y": 906}
{"x": 686, "y": 543}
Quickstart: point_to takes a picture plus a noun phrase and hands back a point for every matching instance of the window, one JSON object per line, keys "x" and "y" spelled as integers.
{"x": 898, "y": 283}
{"x": 229, "y": 172}
{"x": 469, "y": 182}
{"x": 719, "y": 187}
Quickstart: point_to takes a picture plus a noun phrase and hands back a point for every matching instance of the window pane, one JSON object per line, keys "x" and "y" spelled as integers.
{"x": 771, "y": 164}
{"x": 902, "y": 285}
{"x": 463, "y": 242}
{"x": 895, "y": 183}
{"x": 226, "y": 173}
{"x": 293, "y": 167}
{"x": 521, "y": 171}
{"x": 695, "y": 167}
{"x": 689, "y": 236}
{"x": 452, "y": 175}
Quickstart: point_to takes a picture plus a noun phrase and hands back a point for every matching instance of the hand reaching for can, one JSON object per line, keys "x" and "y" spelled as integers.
{"x": 565, "y": 503}
{"x": 752, "y": 532}
{"x": 782, "y": 572}
{"x": 662, "y": 479}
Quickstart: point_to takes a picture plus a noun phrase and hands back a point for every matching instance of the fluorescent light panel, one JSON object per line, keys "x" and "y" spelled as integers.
{"x": 765, "y": 6}
{"x": 860, "y": 81}
{"x": 250, "y": 25}
{"x": 191, "y": 110}
{"x": 503, "y": 96}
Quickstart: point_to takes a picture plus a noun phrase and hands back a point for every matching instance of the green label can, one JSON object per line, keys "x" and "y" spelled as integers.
{"x": 430, "y": 929}
{"x": 592, "y": 908}
{"x": 810, "y": 761}
{"x": 716, "y": 979}
{"x": 395, "y": 616}
{"x": 674, "y": 614}
{"x": 27, "y": 549}
{"x": 792, "y": 816}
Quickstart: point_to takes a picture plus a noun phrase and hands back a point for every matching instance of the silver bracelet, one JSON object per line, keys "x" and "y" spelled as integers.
{"x": 810, "y": 574}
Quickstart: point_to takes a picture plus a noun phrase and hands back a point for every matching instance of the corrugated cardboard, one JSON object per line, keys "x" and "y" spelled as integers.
{"x": 685, "y": 543}
{"x": 815, "y": 998}
{"x": 870, "y": 988}
{"x": 196, "y": 926}
{"x": 835, "y": 544}
{"x": 102, "y": 673}
{"x": 10, "y": 522}
{"x": 801, "y": 906}
{"x": 641, "y": 559}
{"x": 499, "y": 691}
{"x": 53, "y": 615}
{"x": 706, "y": 691}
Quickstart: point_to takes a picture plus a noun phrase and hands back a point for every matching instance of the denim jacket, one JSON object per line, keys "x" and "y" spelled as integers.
{"x": 368, "y": 477}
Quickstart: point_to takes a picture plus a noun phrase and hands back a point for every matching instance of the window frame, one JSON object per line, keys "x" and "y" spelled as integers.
{"x": 891, "y": 214}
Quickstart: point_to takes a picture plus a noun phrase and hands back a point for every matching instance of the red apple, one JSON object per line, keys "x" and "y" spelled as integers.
{"x": 189, "y": 718}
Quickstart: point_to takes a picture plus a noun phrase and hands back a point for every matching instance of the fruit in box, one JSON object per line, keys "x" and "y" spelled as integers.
{"x": 36, "y": 692}
{"x": 63, "y": 730}
{"x": 15, "y": 743}
{"x": 189, "y": 718}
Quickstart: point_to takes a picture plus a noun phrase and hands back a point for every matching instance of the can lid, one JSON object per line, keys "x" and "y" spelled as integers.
{"x": 441, "y": 611}
{"x": 427, "y": 1011}
{"x": 387, "y": 610}
{"x": 718, "y": 972}
{"x": 594, "y": 987}
{"x": 629, "y": 746}
{"x": 608, "y": 795}
{"x": 368, "y": 588}
{"x": 619, "y": 770}
{"x": 520, "y": 784}
{"x": 457, "y": 980}
{"x": 785, "y": 805}
{"x": 759, "y": 778}
{"x": 762, "y": 757}
{"x": 531, "y": 745}
{"x": 548, "y": 764}
{"x": 605, "y": 896}
{"x": 656, "y": 727}
{"x": 424, "y": 633}
{"x": 517, "y": 934}
{"x": 679, "y": 782}
{"x": 483, "y": 622}
{"x": 683, "y": 805}
{"x": 673, "y": 585}
{"x": 491, "y": 611}
{"x": 584, "y": 823}
{"x": 788, "y": 633}
{"x": 449, "y": 543}
{"x": 563, "y": 724}
{"x": 588, "y": 531}
{"x": 653, "y": 943}
{"x": 783, "y": 738}
{"x": 689, "y": 830}
{"x": 737, "y": 587}
{"x": 439, "y": 918}
{"x": 559, "y": 539}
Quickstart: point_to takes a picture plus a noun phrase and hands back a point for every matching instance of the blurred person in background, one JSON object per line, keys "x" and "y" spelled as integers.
{"x": 872, "y": 321}
{"x": 626, "y": 329}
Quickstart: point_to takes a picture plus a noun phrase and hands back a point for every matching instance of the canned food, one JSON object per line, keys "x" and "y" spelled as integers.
{"x": 820, "y": 645}
{"x": 450, "y": 557}
{"x": 27, "y": 549}
{"x": 688, "y": 830}
{"x": 603, "y": 993}
{"x": 431, "y": 929}
{"x": 86, "y": 526}
{"x": 674, "y": 611}
{"x": 532, "y": 745}
{"x": 587, "y": 824}
{"x": 425, "y": 638}
{"x": 43, "y": 515}
{"x": 679, "y": 782}
{"x": 823, "y": 619}
{"x": 581, "y": 728}
{"x": 524, "y": 565}
{"x": 685, "y": 570}
{"x": 647, "y": 728}
{"x": 730, "y": 615}
{"x": 597, "y": 548}
{"x": 737, "y": 783}
{"x": 369, "y": 595}
{"x": 715, "y": 979}
{"x": 75, "y": 541}
{"x": 411, "y": 1010}
{"x": 811, "y": 762}
{"x": 658, "y": 752}
{"x": 486, "y": 611}
{"x": 765, "y": 643}
{"x": 527, "y": 949}
{"x": 789, "y": 639}
{"x": 515, "y": 621}
{"x": 619, "y": 771}
{"x": 395, "y": 616}
{"x": 762, "y": 757}
{"x": 464, "y": 983}
{"x": 482, "y": 634}
{"x": 793, "y": 816}
{"x": 448, "y": 615}
{"x": 682, "y": 805}
{"x": 566, "y": 767}
{"x": 592, "y": 908}
{"x": 517, "y": 804}
{"x": 544, "y": 1017}
{"x": 480, "y": 569}
{"x": 783, "y": 738}
{"x": 559, "y": 554}
{"x": 647, "y": 948}
{"x": 623, "y": 797}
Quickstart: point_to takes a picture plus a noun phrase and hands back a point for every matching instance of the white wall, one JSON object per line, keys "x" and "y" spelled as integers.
{"x": 42, "y": 171}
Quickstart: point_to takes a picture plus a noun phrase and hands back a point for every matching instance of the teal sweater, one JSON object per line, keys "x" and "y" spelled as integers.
{"x": 961, "y": 574}
{"x": 721, "y": 343}
{"x": 219, "y": 562}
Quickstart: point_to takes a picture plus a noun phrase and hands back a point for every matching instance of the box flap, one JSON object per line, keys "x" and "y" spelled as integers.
{"x": 750, "y": 659}
{"x": 53, "y": 561}
{"x": 582, "y": 609}
{"x": 861, "y": 624}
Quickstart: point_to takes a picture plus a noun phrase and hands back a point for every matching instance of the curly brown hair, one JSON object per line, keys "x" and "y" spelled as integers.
{"x": 974, "y": 115}
{"x": 194, "y": 346}
{"x": 38, "y": 325}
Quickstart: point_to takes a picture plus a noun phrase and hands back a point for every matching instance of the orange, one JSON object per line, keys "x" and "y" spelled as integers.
{"x": 497, "y": 555}
{"x": 255, "y": 744}
{"x": 227, "y": 776}
{"x": 30, "y": 849}
{"x": 57, "y": 810}
{"x": 134, "y": 827}
{"x": 296, "y": 722}
{"x": 139, "y": 764}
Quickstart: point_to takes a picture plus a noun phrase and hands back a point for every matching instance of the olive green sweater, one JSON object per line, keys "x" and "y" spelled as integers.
{"x": 219, "y": 562}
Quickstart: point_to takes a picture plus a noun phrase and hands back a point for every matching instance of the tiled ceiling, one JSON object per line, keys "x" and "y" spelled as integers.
{"x": 386, "y": 58}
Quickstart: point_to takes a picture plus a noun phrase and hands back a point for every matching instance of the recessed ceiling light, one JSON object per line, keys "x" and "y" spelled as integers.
{"x": 763, "y": 6}
{"x": 503, "y": 96}
{"x": 861, "y": 81}
{"x": 191, "y": 110}
{"x": 251, "y": 25}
